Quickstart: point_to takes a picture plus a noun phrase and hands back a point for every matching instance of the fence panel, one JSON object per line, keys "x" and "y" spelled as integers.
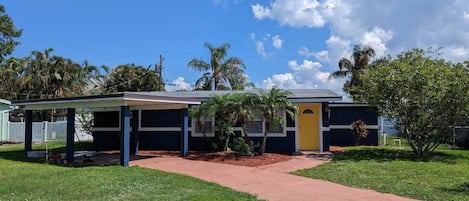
{"x": 52, "y": 131}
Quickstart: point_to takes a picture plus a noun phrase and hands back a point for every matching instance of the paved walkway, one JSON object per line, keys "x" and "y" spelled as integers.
{"x": 269, "y": 182}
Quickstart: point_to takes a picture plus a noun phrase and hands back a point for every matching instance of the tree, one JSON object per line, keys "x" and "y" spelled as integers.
{"x": 271, "y": 104}
{"x": 424, "y": 96}
{"x": 8, "y": 34}
{"x": 243, "y": 105}
{"x": 225, "y": 75}
{"x": 225, "y": 118}
{"x": 131, "y": 77}
{"x": 354, "y": 69}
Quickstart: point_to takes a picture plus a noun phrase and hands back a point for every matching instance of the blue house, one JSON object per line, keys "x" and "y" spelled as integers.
{"x": 132, "y": 121}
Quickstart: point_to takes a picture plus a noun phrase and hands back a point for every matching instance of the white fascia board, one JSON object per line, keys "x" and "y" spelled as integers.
{"x": 7, "y": 102}
{"x": 82, "y": 103}
{"x": 162, "y": 101}
{"x": 348, "y": 105}
{"x": 314, "y": 100}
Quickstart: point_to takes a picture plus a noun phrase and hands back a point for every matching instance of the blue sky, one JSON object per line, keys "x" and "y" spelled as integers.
{"x": 284, "y": 43}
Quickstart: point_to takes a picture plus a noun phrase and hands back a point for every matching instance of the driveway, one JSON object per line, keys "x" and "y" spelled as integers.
{"x": 271, "y": 182}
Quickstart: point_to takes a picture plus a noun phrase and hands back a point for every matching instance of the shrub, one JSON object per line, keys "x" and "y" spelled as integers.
{"x": 241, "y": 147}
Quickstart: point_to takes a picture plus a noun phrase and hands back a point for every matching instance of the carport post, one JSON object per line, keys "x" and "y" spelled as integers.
{"x": 28, "y": 131}
{"x": 185, "y": 133}
{"x": 70, "y": 134}
{"x": 125, "y": 136}
{"x": 134, "y": 138}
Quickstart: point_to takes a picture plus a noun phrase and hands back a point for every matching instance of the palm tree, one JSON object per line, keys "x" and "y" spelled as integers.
{"x": 354, "y": 68}
{"x": 244, "y": 104}
{"x": 219, "y": 74}
{"x": 271, "y": 104}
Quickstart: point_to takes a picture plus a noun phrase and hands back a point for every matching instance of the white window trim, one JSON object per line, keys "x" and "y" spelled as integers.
{"x": 270, "y": 134}
{"x": 193, "y": 128}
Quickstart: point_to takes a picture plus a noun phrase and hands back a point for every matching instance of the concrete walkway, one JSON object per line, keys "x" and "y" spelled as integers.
{"x": 271, "y": 182}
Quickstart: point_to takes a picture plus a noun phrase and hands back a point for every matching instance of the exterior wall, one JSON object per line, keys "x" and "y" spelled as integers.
{"x": 341, "y": 118}
{"x": 4, "y": 108}
{"x": 161, "y": 130}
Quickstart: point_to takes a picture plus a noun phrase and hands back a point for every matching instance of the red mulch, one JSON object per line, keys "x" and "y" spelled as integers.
{"x": 242, "y": 160}
{"x": 232, "y": 158}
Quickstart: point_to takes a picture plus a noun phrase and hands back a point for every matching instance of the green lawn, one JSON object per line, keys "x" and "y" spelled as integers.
{"x": 32, "y": 179}
{"x": 443, "y": 176}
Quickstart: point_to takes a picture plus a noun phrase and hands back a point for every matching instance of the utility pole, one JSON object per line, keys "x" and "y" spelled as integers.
{"x": 159, "y": 71}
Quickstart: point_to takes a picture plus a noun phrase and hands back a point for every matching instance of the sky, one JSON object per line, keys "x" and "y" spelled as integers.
{"x": 284, "y": 43}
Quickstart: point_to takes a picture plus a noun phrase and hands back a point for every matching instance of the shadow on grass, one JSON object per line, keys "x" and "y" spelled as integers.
{"x": 382, "y": 155}
{"x": 461, "y": 188}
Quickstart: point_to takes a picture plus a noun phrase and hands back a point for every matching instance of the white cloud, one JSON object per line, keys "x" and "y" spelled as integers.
{"x": 267, "y": 51}
{"x": 261, "y": 49}
{"x": 277, "y": 42}
{"x": 387, "y": 26}
{"x": 178, "y": 84}
{"x": 252, "y": 36}
{"x": 377, "y": 39}
{"x": 307, "y": 75}
{"x": 293, "y": 13}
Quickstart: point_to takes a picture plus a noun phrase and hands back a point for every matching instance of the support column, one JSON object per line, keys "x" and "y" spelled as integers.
{"x": 70, "y": 134}
{"x": 185, "y": 133}
{"x": 125, "y": 136}
{"x": 134, "y": 143}
{"x": 28, "y": 131}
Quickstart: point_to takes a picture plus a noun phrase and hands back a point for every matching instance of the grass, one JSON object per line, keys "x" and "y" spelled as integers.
{"x": 442, "y": 176}
{"x": 32, "y": 179}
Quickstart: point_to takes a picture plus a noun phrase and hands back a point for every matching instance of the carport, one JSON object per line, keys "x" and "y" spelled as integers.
{"x": 125, "y": 101}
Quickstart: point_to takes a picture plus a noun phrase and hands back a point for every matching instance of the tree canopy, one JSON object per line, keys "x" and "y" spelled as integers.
{"x": 8, "y": 34}
{"x": 424, "y": 95}
{"x": 131, "y": 77}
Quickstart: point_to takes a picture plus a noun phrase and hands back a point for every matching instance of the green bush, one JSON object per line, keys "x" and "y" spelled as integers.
{"x": 240, "y": 146}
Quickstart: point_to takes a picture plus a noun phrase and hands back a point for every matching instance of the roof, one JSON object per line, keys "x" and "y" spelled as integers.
{"x": 6, "y": 102}
{"x": 296, "y": 93}
{"x": 159, "y": 97}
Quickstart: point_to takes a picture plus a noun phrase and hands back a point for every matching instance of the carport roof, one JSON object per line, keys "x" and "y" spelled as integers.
{"x": 158, "y": 97}
{"x": 110, "y": 100}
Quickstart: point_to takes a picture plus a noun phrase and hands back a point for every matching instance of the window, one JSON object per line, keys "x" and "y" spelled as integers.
{"x": 255, "y": 127}
{"x": 207, "y": 127}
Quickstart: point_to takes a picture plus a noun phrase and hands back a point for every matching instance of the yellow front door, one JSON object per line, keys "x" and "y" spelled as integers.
{"x": 309, "y": 126}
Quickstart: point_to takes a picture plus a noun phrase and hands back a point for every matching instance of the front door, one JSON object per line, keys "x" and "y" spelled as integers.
{"x": 309, "y": 126}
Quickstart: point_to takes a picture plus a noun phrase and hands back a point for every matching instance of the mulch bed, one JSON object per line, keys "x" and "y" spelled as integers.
{"x": 242, "y": 160}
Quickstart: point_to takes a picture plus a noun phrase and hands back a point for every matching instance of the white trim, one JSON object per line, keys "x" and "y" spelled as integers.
{"x": 6, "y": 102}
{"x": 282, "y": 134}
{"x": 321, "y": 145}
{"x": 297, "y": 133}
{"x": 313, "y": 100}
{"x": 86, "y": 100}
{"x": 325, "y": 129}
{"x": 160, "y": 107}
{"x": 350, "y": 126}
{"x": 159, "y": 129}
{"x": 161, "y": 101}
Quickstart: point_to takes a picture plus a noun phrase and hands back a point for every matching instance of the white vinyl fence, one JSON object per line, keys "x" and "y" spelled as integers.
{"x": 42, "y": 131}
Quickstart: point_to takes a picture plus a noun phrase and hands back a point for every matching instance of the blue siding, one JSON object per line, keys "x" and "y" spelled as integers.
{"x": 344, "y": 137}
{"x": 159, "y": 140}
{"x": 106, "y": 119}
{"x": 161, "y": 118}
{"x": 325, "y": 114}
{"x": 106, "y": 140}
{"x": 346, "y": 115}
{"x": 326, "y": 140}
{"x": 290, "y": 121}
{"x": 279, "y": 144}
